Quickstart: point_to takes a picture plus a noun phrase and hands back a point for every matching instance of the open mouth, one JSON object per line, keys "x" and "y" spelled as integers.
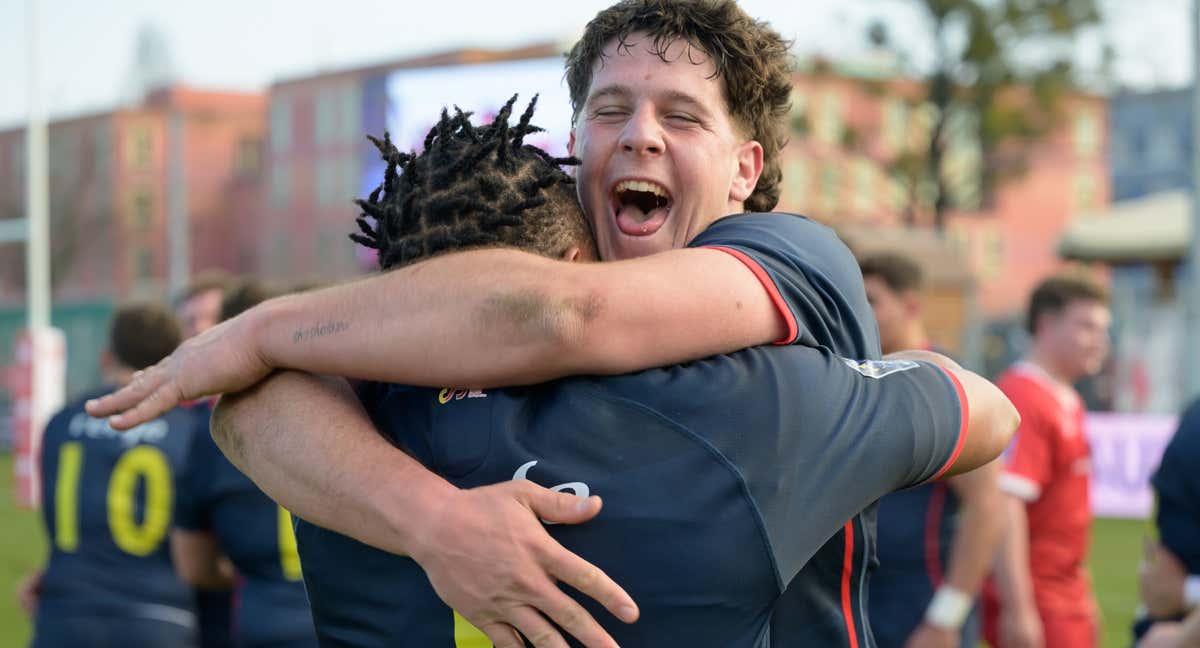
{"x": 640, "y": 206}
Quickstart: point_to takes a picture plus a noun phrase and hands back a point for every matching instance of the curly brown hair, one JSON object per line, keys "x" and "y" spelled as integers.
{"x": 750, "y": 57}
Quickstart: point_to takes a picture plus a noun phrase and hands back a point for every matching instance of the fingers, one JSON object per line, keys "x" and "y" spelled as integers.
{"x": 576, "y": 621}
{"x": 503, "y": 636}
{"x": 558, "y": 507}
{"x": 144, "y": 383}
{"x": 161, "y": 401}
{"x": 569, "y": 568}
{"x": 538, "y": 630}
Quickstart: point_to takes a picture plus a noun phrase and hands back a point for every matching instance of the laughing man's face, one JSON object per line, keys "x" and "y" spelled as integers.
{"x": 662, "y": 158}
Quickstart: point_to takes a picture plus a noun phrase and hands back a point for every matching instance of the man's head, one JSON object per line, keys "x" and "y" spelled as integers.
{"x": 894, "y": 284}
{"x": 242, "y": 295}
{"x": 473, "y": 187}
{"x": 1069, "y": 319}
{"x": 199, "y": 307}
{"x": 140, "y": 335}
{"x": 680, "y": 115}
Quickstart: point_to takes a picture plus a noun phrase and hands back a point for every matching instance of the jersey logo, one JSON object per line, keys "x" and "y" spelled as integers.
{"x": 452, "y": 393}
{"x": 879, "y": 368}
{"x": 580, "y": 489}
{"x": 83, "y": 425}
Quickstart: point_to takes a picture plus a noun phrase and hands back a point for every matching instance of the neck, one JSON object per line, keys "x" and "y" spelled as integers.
{"x": 1045, "y": 360}
{"x": 913, "y": 337}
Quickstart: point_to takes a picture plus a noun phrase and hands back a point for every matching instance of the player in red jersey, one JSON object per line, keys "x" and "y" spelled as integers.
{"x": 1042, "y": 594}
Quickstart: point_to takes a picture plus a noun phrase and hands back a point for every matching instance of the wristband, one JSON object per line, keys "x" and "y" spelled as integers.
{"x": 949, "y": 608}
{"x": 1191, "y": 592}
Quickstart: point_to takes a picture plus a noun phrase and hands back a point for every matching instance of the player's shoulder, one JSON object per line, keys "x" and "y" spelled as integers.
{"x": 781, "y": 230}
{"x": 1027, "y": 388}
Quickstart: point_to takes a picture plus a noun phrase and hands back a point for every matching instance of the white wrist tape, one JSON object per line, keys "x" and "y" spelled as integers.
{"x": 1191, "y": 592}
{"x": 949, "y": 608}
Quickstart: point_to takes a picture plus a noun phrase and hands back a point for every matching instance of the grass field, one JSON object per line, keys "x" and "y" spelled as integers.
{"x": 1116, "y": 546}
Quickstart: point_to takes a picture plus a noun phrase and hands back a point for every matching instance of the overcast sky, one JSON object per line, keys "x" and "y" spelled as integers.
{"x": 87, "y": 46}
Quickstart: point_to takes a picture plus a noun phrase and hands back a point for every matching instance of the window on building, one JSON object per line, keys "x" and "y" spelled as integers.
{"x": 1164, "y": 146}
{"x": 281, "y": 123}
{"x": 351, "y": 112}
{"x": 140, "y": 211}
{"x": 247, "y": 158}
{"x": 829, "y": 121}
{"x": 140, "y": 147}
{"x": 1086, "y": 191}
{"x": 325, "y": 117}
{"x": 328, "y": 180}
{"x": 831, "y": 186}
{"x": 864, "y": 186}
{"x": 143, "y": 264}
{"x": 1087, "y": 135}
{"x": 895, "y": 124}
{"x": 281, "y": 185}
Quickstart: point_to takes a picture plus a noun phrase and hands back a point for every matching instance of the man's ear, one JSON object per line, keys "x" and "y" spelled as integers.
{"x": 912, "y": 303}
{"x": 749, "y": 161}
{"x": 572, "y": 254}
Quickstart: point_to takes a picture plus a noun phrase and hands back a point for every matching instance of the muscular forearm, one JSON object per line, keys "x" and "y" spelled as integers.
{"x": 981, "y": 519}
{"x": 308, "y": 444}
{"x": 1013, "y": 578}
{"x": 501, "y": 317}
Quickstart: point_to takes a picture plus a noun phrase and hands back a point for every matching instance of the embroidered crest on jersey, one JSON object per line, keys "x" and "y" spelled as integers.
{"x": 879, "y": 368}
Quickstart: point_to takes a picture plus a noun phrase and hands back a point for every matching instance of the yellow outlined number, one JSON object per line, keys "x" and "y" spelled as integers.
{"x": 289, "y": 555}
{"x": 141, "y": 463}
{"x": 467, "y": 635}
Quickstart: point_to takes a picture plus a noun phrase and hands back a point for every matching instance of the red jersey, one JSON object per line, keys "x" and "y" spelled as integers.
{"x": 1048, "y": 465}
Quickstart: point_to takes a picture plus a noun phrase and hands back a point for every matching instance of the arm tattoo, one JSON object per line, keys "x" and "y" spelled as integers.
{"x": 319, "y": 330}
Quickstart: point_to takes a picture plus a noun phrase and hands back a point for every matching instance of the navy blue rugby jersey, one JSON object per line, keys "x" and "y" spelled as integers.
{"x": 1177, "y": 487}
{"x": 721, "y": 479}
{"x": 816, "y": 283}
{"x": 108, "y": 500}
{"x": 255, "y": 533}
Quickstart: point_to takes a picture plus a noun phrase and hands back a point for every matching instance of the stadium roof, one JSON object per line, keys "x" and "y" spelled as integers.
{"x": 1156, "y": 228}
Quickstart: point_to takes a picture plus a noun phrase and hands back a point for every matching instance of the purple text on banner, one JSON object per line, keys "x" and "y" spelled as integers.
{"x": 1126, "y": 450}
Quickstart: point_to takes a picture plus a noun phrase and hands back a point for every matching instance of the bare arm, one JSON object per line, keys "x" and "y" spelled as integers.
{"x": 981, "y": 519}
{"x": 484, "y": 550}
{"x": 993, "y": 419}
{"x": 474, "y": 319}
{"x": 198, "y": 560}
{"x": 1019, "y": 616}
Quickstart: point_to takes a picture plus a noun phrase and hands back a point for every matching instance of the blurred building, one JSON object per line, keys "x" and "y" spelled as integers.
{"x": 1151, "y": 136}
{"x": 851, "y": 125}
{"x": 109, "y": 188}
{"x": 318, "y": 159}
{"x": 1144, "y": 236}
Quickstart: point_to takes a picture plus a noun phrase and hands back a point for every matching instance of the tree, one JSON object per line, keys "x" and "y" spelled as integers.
{"x": 1000, "y": 70}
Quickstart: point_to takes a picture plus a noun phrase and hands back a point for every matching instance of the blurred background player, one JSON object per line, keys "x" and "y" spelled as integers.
{"x": 936, "y": 541}
{"x": 199, "y": 309}
{"x": 223, "y": 514}
{"x": 1170, "y": 574}
{"x": 107, "y": 503}
{"x": 1044, "y": 592}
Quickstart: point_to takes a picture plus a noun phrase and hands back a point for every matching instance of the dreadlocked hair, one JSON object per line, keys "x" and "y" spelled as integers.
{"x": 472, "y": 186}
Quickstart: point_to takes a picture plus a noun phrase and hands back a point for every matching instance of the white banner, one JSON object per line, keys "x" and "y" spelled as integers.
{"x": 1126, "y": 450}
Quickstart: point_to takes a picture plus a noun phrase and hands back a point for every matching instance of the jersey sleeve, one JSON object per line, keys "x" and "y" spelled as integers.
{"x": 810, "y": 275}
{"x": 825, "y": 437}
{"x": 1177, "y": 485}
{"x": 1029, "y": 458}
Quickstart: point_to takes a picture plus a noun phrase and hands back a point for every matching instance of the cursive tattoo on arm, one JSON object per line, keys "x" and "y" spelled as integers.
{"x": 319, "y": 330}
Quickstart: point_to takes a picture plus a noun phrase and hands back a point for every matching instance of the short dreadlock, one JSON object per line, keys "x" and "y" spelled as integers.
{"x": 472, "y": 186}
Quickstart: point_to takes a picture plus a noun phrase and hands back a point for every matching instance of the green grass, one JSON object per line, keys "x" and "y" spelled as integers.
{"x": 1116, "y": 546}
{"x": 1116, "y": 549}
{"x": 22, "y": 548}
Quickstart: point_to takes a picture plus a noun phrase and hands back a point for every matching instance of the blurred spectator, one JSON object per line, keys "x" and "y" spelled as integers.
{"x": 107, "y": 503}
{"x": 222, "y": 513}
{"x": 1043, "y": 593}
{"x": 1170, "y": 574}
{"x": 936, "y": 541}
{"x": 199, "y": 307}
